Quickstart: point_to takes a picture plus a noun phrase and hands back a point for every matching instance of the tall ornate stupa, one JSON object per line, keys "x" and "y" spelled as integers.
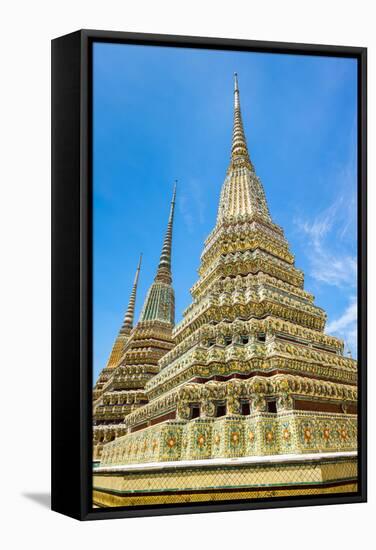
{"x": 120, "y": 340}
{"x": 136, "y": 351}
{"x": 254, "y": 399}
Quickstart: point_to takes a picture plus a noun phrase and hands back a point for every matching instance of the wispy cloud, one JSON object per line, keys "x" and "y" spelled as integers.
{"x": 191, "y": 204}
{"x": 328, "y": 256}
{"x": 330, "y": 234}
{"x": 330, "y": 249}
{"x": 345, "y": 326}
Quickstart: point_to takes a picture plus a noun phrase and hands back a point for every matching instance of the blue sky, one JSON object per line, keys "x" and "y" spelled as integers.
{"x": 166, "y": 113}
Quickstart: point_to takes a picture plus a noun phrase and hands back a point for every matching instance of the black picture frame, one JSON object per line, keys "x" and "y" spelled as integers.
{"x": 72, "y": 261}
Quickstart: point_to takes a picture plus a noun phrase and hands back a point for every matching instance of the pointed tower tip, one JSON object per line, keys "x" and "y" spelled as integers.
{"x": 139, "y": 262}
{"x": 159, "y": 304}
{"x": 129, "y": 315}
{"x": 164, "y": 267}
{"x": 239, "y": 149}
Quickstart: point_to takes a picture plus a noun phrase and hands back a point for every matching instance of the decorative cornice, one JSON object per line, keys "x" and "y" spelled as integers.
{"x": 204, "y": 364}
{"x": 279, "y": 385}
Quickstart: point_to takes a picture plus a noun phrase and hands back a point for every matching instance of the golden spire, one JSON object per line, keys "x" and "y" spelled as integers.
{"x": 129, "y": 316}
{"x": 164, "y": 266}
{"x": 239, "y": 149}
{"x": 242, "y": 194}
{"x": 160, "y": 300}
{"x": 126, "y": 327}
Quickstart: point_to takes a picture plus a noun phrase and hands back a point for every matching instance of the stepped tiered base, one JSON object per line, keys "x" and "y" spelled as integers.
{"x": 225, "y": 479}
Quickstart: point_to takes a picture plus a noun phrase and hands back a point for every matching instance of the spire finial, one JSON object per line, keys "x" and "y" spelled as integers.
{"x": 129, "y": 316}
{"x": 239, "y": 150}
{"x": 164, "y": 267}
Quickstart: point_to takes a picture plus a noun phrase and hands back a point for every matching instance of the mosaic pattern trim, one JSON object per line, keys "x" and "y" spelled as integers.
{"x": 235, "y": 436}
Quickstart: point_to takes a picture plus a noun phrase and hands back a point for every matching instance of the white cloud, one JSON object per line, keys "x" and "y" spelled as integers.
{"x": 345, "y": 326}
{"x": 331, "y": 234}
{"x": 348, "y": 317}
{"x": 329, "y": 245}
{"x": 329, "y": 263}
{"x": 333, "y": 270}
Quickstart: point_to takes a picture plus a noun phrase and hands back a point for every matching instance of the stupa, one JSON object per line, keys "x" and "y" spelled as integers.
{"x": 133, "y": 361}
{"x": 254, "y": 399}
